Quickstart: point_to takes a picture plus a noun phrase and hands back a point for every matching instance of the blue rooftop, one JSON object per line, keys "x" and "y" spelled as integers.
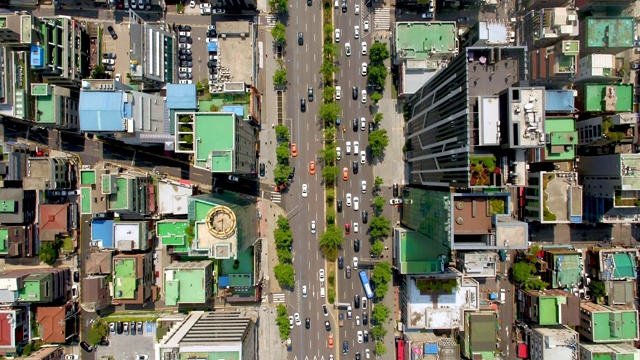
{"x": 102, "y": 230}
{"x": 237, "y": 109}
{"x": 560, "y": 101}
{"x": 212, "y": 46}
{"x": 182, "y": 96}
{"x": 37, "y": 58}
{"x": 103, "y": 110}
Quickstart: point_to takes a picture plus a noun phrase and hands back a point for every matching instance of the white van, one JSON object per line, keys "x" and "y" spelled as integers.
{"x": 322, "y": 291}
{"x": 503, "y": 296}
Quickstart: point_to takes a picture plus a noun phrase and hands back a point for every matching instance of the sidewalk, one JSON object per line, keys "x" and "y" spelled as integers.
{"x": 268, "y": 142}
{"x": 269, "y": 257}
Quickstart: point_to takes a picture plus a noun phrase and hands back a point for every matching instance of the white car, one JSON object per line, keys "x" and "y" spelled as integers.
{"x": 184, "y": 82}
{"x": 347, "y": 48}
{"x": 364, "y": 96}
{"x": 395, "y": 201}
{"x": 364, "y": 69}
{"x": 363, "y": 157}
{"x": 185, "y": 33}
{"x": 211, "y": 27}
{"x": 74, "y": 291}
{"x": 313, "y": 227}
{"x": 304, "y": 291}
{"x": 338, "y": 153}
{"x": 305, "y": 190}
{"x": 108, "y": 61}
{"x": 365, "y": 25}
{"x": 348, "y": 147}
{"x": 356, "y": 203}
{"x": 184, "y": 46}
{"x": 321, "y": 274}
{"x": 71, "y": 357}
{"x": 185, "y": 70}
{"x": 356, "y": 227}
{"x": 355, "y": 262}
{"x": 212, "y": 39}
{"x": 356, "y": 32}
{"x": 364, "y": 48}
{"x": 118, "y": 77}
{"x": 359, "y": 336}
{"x": 363, "y": 186}
{"x": 357, "y": 320}
{"x": 356, "y": 145}
{"x": 192, "y": 4}
{"x": 348, "y": 199}
{"x": 363, "y": 124}
{"x": 338, "y": 92}
{"x": 367, "y": 354}
{"x": 357, "y": 8}
{"x": 337, "y": 34}
{"x": 290, "y": 322}
{"x": 205, "y": 5}
{"x": 296, "y": 316}
{"x": 364, "y": 303}
{"x": 205, "y": 11}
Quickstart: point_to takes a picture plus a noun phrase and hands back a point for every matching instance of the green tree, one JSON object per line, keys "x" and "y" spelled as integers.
{"x": 330, "y": 51}
{"x": 283, "y": 322}
{"x": 379, "y": 227}
{"x": 378, "y": 332}
{"x": 331, "y": 215}
{"x": 281, "y": 173}
{"x": 329, "y": 112}
{"x": 98, "y": 331}
{"x": 283, "y": 223}
{"x": 328, "y": 33}
{"x": 598, "y": 289}
{"x": 284, "y": 274}
{"x": 378, "y": 52}
{"x": 330, "y": 241}
{"x": 522, "y": 272}
{"x": 330, "y": 174}
{"x": 380, "y": 348}
{"x": 377, "y": 75}
{"x": 328, "y": 154}
{"x": 378, "y": 203}
{"x": 282, "y": 132}
{"x": 201, "y": 86}
{"x": 49, "y": 252}
{"x": 377, "y": 118}
{"x": 282, "y": 153}
{"x": 377, "y": 182}
{"x": 284, "y": 256}
{"x": 535, "y": 284}
{"x": 329, "y": 134}
{"x": 99, "y": 73}
{"x": 378, "y": 141}
{"x": 328, "y": 93}
{"x": 279, "y": 33}
{"x": 283, "y": 238}
{"x": 330, "y": 195}
{"x": 280, "y": 78}
{"x": 381, "y": 290}
{"x": 377, "y": 248}
{"x": 381, "y": 273}
{"x": 282, "y": 311}
{"x": 376, "y": 97}
{"x": 278, "y": 5}
{"x": 380, "y": 314}
{"x": 327, "y": 69}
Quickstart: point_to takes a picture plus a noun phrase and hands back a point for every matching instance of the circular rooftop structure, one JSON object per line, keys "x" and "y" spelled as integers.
{"x": 221, "y": 222}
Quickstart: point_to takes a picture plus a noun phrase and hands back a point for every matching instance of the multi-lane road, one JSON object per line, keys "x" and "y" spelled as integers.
{"x": 303, "y": 65}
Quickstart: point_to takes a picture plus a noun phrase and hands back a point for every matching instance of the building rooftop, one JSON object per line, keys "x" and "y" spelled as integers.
{"x": 525, "y": 121}
{"x": 608, "y": 98}
{"x": 51, "y": 321}
{"x": 608, "y": 323}
{"x": 429, "y": 310}
{"x": 7, "y": 329}
{"x": 429, "y": 213}
{"x": 100, "y": 262}
{"x": 609, "y": 32}
{"x": 620, "y": 351}
{"x": 236, "y": 37}
{"x": 124, "y": 278}
{"x": 182, "y": 97}
{"x": 618, "y": 264}
{"x": 184, "y": 282}
{"x": 419, "y": 254}
{"x": 130, "y": 236}
{"x": 173, "y": 197}
{"x": 53, "y": 220}
{"x": 96, "y": 294}
{"x": 492, "y": 70}
{"x": 478, "y": 264}
{"x": 565, "y": 267}
{"x": 563, "y": 138}
{"x": 561, "y": 196}
{"x": 214, "y": 153}
{"x": 483, "y": 331}
{"x": 558, "y": 342}
{"x": 103, "y": 111}
{"x": 11, "y": 211}
{"x": 555, "y": 307}
{"x": 102, "y": 231}
{"x": 171, "y": 232}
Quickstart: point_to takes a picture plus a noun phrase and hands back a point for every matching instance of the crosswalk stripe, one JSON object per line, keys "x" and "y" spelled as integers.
{"x": 276, "y": 198}
{"x": 383, "y": 19}
{"x": 278, "y": 297}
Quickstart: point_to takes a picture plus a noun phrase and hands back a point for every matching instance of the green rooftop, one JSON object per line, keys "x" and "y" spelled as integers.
{"x": 171, "y": 232}
{"x": 34, "y": 288}
{"x": 615, "y": 326}
{"x": 4, "y": 241}
{"x": 8, "y": 206}
{"x": 186, "y": 284}
{"x": 212, "y": 355}
{"x": 87, "y": 177}
{"x": 124, "y": 278}
{"x": 548, "y": 309}
{"x": 214, "y": 141}
{"x": 609, "y": 32}
{"x": 49, "y": 108}
{"x": 595, "y": 97}
{"x": 563, "y": 139}
{"x": 85, "y": 207}
{"x": 419, "y": 254}
{"x": 625, "y": 265}
{"x": 429, "y": 213}
{"x": 120, "y": 200}
{"x": 422, "y": 40}
{"x": 569, "y": 269}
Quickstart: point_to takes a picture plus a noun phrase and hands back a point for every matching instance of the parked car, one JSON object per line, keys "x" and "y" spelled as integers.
{"x": 85, "y": 346}
{"x": 109, "y": 55}
{"x": 112, "y": 32}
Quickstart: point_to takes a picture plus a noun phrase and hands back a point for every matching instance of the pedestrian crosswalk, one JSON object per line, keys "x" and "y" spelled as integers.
{"x": 383, "y": 19}
{"x": 278, "y": 297}
{"x": 271, "y": 20}
{"x": 276, "y": 197}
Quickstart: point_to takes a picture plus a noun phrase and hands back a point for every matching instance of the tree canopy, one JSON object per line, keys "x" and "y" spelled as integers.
{"x": 379, "y": 227}
{"x": 280, "y": 78}
{"x": 279, "y": 32}
{"x": 281, "y": 173}
{"x": 377, "y": 75}
{"x": 330, "y": 241}
{"x": 285, "y": 275}
{"x": 378, "y": 52}
{"x": 378, "y": 141}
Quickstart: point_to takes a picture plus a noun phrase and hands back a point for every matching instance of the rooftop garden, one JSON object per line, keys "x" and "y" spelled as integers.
{"x": 483, "y": 171}
{"x": 547, "y": 215}
{"x": 436, "y": 286}
{"x": 615, "y": 133}
{"x": 627, "y": 198}
{"x": 496, "y": 206}
{"x": 185, "y": 133}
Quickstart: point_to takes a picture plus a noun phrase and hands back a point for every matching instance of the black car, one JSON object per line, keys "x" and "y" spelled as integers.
{"x": 356, "y": 301}
{"x": 211, "y": 64}
{"x": 309, "y": 2}
{"x": 395, "y": 190}
{"x": 365, "y": 216}
{"x": 211, "y": 33}
{"x": 300, "y": 39}
{"x": 83, "y": 344}
{"x": 327, "y": 326}
{"x": 262, "y": 169}
{"x": 339, "y": 205}
{"x": 132, "y": 328}
{"x": 186, "y": 63}
{"x": 109, "y": 68}
{"x": 354, "y": 93}
{"x": 293, "y": 173}
{"x": 185, "y": 40}
{"x": 365, "y": 319}
{"x": 344, "y": 7}
{"x": 185, "y": 52}
{"x": 358, "y": 356}
{"x": 112, "y": 32}
{"x": 310, "y": 94}
{"x": 355, "y": 167}
{"x": 355, "y": 125}
{"x": 348, "y": 272}
{"x": 119, "y": 328}
{"x": 185, "y": 57}
{"x": 303, "y": 105}
{"x": 356, "y": 245}
{"x": 184, "y": 28}
{"x": 109, "y": 55}
{"x": 366, "y": 336}
{"x": 340, "y": 262}
{"x": 345, "y": 348}
{"x": 307, "y": 323}
{"x": 371, "y": 126}
{"x": 76, "y": 276}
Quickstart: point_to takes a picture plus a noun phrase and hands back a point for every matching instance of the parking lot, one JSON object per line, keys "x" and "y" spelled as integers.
{"x": 130, "y": 346}
{"x": 199, "y": 53}
{"x": 120, "y": 47}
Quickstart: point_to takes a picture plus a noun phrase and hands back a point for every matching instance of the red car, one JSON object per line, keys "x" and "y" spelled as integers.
{"x": 347, "y": 228}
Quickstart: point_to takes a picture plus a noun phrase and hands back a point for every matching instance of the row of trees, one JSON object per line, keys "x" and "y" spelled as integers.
{"x": 279, "y": 33}
{"x": 284, "y": 271}
{"x": 283, "y": 322}
{"x": 282, "y": 171}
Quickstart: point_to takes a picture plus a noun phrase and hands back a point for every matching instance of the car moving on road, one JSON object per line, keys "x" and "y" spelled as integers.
{"x": 305, "y": 190}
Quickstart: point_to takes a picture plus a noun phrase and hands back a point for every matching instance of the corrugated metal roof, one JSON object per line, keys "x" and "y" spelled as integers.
{"x": 182, "y": 97}
{"x": 102, "y": 111}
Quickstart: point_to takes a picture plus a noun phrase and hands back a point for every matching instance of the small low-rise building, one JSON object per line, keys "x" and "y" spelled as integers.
{"x": 481, "y": 334}
{"x": 553, "y": 342}
{"x": 189, "y": 282}
{"x": 55, "y": 221}
{"x": 50, "y": 173}
{"x": 35, "y": 285}
{"x": 618, "y": 351}
{"x": 478, "y": 264}
{"x": 132, "y": 278}
{"x": 14, "y": 330}
{"x": 96, "y": 294}
{"x": 56, "y": 323}
{"x": 562, "y": 267}
{"x": 608, "y": 324}
{"x": 47, "y": 353}
{"x": 549, "y": 307}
